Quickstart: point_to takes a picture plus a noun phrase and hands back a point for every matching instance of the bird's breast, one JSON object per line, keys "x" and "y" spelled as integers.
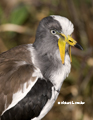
{"x": 60, "y": 74}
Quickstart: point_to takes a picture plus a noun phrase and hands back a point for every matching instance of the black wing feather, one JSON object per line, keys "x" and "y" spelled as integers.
{"x": 32, "y": 104}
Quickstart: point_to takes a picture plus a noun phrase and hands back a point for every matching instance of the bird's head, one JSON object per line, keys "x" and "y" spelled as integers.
{"x": 54, "y": 32}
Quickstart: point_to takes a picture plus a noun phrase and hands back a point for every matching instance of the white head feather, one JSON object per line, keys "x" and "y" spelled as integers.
{"x": 67, "y": 26}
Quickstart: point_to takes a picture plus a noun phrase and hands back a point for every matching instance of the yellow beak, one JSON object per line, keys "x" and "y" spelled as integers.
{"x": 62, "y": 44}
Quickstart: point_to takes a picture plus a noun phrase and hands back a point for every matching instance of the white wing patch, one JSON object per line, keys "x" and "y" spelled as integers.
{"x": 33, "y": 53}
{"x": 18, "y": 96}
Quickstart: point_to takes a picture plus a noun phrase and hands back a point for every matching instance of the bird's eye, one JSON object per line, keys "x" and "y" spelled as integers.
{"x": 53, "y": 32}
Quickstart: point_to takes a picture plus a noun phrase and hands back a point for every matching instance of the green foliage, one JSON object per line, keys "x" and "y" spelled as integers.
{"x": 19, "y": 15}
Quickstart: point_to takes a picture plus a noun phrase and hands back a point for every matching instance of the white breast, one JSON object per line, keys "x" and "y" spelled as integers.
{"x": 58, "y": 76}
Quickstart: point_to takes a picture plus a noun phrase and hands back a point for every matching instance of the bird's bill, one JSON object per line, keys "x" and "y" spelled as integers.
{"x": 62, "y": 44}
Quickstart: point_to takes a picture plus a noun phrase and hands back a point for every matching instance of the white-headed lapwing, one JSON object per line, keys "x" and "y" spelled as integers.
{"x": 31, "y": 75}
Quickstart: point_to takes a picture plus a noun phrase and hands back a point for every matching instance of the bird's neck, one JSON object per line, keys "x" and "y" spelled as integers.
{"x": 51, "y": 67}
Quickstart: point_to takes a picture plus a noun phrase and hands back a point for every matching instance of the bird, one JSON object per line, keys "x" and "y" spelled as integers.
{"x": 31, "y": 75}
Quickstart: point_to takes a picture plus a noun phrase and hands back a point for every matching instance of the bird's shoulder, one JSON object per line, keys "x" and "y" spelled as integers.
{"x": 20, "y": 52}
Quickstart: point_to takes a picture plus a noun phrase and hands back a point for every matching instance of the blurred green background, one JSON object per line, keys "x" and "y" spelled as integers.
{"x": 18, "y": 23}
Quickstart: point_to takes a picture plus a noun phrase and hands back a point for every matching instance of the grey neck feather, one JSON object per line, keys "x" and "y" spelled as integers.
{"x": 48, "y": 62}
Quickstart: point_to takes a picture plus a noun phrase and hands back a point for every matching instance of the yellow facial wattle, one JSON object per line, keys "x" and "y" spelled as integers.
{"x": 63, "y": 40}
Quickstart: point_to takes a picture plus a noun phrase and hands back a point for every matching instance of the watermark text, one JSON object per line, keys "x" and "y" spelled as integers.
{"x": 66, "y": 103}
